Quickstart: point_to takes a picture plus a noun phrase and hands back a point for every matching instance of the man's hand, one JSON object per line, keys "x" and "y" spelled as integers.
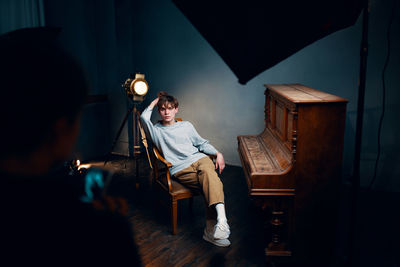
{"x": 154, "y": 102}
{"x": 220, "y": 162}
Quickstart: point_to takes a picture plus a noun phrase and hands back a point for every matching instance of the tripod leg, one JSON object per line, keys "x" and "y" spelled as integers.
{"x": 118, "y": 134}
{"x": 135, "y": 133}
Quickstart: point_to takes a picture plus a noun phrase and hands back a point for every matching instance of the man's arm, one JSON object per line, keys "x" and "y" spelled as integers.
{"x": 154, "y": 102}
{"x": 204, "y": 146}
{"x": 146, "y": 115}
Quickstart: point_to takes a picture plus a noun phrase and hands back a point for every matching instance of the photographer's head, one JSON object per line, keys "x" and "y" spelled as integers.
{"x": 42, "y": 92}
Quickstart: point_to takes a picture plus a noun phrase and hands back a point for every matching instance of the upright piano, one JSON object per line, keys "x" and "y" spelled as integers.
{"x": 294, "y": 168}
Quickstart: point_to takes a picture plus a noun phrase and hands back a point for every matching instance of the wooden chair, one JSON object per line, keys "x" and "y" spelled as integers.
{"x": 175, "y": 190}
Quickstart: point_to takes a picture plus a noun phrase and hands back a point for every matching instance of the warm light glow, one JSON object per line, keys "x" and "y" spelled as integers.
{"x": 140, "y": 87}
{"x": 84, "y": 166}
{"x": 78, "y": 162}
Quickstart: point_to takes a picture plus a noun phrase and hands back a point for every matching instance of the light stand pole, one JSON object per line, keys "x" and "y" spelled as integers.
{"x": 355, "y": 183}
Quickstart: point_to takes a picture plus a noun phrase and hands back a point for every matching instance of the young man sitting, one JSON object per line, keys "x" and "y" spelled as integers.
{"x": 187, "y": 151}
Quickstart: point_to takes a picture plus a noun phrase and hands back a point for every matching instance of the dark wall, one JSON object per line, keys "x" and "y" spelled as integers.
{"x": 115, "y": 38}
{"x": 87, "y": 32}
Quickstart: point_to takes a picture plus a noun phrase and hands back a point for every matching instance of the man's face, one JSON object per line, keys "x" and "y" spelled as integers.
{"x": 167, "y": 113}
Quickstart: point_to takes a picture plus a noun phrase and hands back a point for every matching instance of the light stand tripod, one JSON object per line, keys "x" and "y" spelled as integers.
{"x": 137, "y": 132}
{"x": 134, "y": 89}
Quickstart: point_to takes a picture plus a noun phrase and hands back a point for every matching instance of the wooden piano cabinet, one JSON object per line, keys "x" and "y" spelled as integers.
{"x": 294, "y": 167}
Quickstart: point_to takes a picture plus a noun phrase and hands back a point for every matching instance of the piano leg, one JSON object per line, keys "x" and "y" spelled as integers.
{"x": 277, "y": 246}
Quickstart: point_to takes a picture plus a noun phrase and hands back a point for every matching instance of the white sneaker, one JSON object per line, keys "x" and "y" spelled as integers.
{"x": 218, "y": 242}
{"x": 221, "y": 230}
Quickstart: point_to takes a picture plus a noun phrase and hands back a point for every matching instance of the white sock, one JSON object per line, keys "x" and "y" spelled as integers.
{"x": 221, "y": 216}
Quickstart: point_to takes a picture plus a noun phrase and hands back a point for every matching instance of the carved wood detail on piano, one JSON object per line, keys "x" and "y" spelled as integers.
{"x": 294, "y": 165}
{"x": 294, "y": 133}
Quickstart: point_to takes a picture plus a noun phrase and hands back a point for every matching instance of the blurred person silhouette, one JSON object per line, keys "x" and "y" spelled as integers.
{"x": 44, "y": 223}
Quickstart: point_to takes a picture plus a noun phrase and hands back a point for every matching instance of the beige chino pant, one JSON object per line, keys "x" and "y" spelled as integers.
{"x": 201, "y": 175}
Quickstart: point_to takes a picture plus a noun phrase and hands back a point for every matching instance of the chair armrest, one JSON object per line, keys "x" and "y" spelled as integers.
{"x": 161, "y": 158}
{"x": 212, "y": 157}
{"x": 167, "y": 164}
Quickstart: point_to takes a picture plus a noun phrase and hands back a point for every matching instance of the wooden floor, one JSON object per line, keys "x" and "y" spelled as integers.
{"x": 151, "y": 222}
{"x": 158, "y": 247}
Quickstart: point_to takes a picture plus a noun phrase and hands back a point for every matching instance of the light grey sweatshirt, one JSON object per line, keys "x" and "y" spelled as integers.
{"x": 180, "y": 143}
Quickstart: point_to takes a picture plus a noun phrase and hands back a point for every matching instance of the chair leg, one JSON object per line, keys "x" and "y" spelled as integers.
{"x": 174, "y": 216}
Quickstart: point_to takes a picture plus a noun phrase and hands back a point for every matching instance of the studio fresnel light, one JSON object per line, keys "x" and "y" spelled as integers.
{"x": 136, "y": 88}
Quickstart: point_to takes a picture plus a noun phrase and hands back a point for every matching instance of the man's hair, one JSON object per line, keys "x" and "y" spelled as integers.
{"x": 166, "y": 99}
{"x": 40, "y": 83}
